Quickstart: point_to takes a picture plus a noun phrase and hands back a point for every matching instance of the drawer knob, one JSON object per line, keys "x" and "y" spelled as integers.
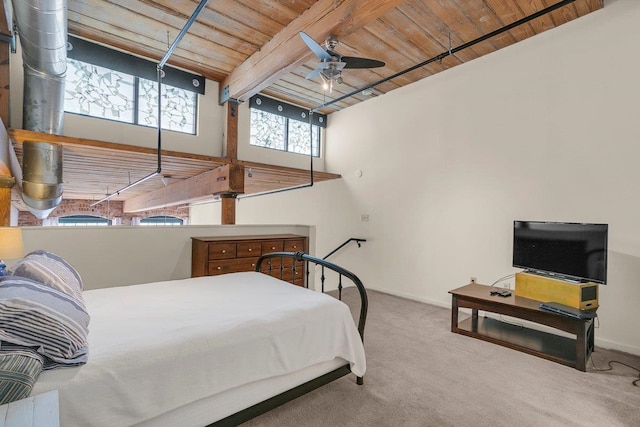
{"x": 273, "y": 248}
{"x": 250, "y": 249}
{"x": 224, "y": 251}
{"x": 295, "y": 247}
{"x": 253, "y": 265}
{"x": 219, "y": 268}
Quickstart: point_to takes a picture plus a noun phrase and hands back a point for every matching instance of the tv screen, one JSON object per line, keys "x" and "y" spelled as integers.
{"x": 565, "y": 250}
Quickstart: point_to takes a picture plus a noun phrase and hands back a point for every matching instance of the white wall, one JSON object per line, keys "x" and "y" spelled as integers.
{"x": 543, "y": 130}
{"x": 118, "y": 256}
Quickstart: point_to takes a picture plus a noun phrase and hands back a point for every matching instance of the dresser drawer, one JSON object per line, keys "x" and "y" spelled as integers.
{"x": 224, "y": 266}
{"x": 294, "y": 245}
{"x": 272, "y": 246}
{"x": 222, "y": 250}
{"x": 248, "y": 249}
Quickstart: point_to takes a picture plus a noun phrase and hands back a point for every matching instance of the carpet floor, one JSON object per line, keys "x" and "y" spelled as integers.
{"x": 421, "y": 374}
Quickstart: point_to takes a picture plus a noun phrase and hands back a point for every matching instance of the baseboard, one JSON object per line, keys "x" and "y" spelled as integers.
{"x": 412, "y": 297}
{"x": 611, "y": 345}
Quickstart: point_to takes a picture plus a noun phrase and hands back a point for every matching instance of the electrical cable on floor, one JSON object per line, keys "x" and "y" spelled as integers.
{"x": 610, "y": 368}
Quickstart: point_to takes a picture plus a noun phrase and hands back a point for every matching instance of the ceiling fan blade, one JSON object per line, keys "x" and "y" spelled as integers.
{"x": 355, "y": 62}
{"x": 315, "y": 73}
{"x": 315, "y": 47}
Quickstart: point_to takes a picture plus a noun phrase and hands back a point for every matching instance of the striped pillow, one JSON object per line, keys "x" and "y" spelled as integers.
{"x": 42, "y": 317}
{"x": 19, "y": 370}
{"x": 52, "y": 270}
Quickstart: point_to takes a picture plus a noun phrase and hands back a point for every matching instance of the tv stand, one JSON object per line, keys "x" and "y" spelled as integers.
{"x": 572, "y": 352}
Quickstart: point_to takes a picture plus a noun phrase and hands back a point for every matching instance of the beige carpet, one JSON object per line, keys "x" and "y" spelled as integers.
{"x": 421, "y": 374}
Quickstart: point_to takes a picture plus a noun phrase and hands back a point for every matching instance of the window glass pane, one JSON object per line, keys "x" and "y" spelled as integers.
{"x": 267, "y": 130}
{"x": 299, "y": 137}
{"x": 82, "y": 220}
{"x": 178, "y": 107}
{"x": 99, "y": 92}
{"x": 161, "y": 220}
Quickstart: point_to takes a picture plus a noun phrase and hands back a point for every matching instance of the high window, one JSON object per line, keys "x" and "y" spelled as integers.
{"x": 285, "y": 127}
{"x": 97, "y": 91}
{"x": 108, "y": 84}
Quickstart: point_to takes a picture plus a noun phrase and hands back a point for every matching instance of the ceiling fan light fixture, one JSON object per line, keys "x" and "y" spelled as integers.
{"x": 326, "y": 83}
{"x": 332, "y": 63}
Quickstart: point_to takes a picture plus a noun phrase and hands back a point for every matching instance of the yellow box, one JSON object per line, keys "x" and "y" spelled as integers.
{"x": 546, "y": 289}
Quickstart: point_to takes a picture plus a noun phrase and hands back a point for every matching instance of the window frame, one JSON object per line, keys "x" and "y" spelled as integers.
{"x": 288, "y": 112}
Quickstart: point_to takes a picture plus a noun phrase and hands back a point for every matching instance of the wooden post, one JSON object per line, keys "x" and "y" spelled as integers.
{"x": 228, "y": 204}
{"x": 6, "y": 182}
{"x": 232, "y": 131}
{"x": 228, "y": 209}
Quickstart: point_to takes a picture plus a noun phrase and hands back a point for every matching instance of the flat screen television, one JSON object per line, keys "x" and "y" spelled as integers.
{"x": 568, "y": 251}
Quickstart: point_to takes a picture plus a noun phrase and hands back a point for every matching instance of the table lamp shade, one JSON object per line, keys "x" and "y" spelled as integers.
{"x": 11, "y": 243}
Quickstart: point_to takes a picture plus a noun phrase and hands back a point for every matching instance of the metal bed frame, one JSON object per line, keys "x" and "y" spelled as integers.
{"x": 289, "y": 395}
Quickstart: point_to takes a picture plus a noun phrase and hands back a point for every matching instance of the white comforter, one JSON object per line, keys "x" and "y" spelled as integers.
{"x": 159, "y": 346}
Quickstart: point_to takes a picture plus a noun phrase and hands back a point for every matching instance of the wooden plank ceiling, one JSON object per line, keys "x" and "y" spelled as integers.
{"x": 252, "y": 46}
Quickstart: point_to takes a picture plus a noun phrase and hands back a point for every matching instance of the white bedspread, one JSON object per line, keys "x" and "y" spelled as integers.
{"x": 159, "y": 346}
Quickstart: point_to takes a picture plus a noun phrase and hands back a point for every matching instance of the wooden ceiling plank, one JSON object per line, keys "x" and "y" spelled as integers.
{"x": 410, "y": 40}
{"x": 594, "y": 5}
{"x": 286, "y": 47}
{"x": 457, "y": 26}
{"x": 192, "y": 48}
{"x": 281, "y": 11}
{"x": 508, "y": 12}
{"x": 395, "y": 61}
{"x": 435, "y": 29}
{"x": 222, "y": 21}
{"x": 256, "y": 18}
{"x": 177, "y": 17}
{"x": 540, "y": 24}
{"x": 485, "y": 20}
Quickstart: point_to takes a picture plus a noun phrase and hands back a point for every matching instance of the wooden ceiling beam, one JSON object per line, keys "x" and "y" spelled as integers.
{"x": 286, "y": 50}
{"x": 227, "y": 179}
{"x": 22, "y": 135}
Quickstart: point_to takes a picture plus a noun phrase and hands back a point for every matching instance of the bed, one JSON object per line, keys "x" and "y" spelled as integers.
{"x": 215, "y": 350}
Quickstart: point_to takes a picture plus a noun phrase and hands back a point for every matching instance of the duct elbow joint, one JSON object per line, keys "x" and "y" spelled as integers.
{"x": 42, "y": 176}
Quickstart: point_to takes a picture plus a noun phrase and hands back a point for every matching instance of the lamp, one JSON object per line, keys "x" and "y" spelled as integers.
{"x": 11, "y": 246}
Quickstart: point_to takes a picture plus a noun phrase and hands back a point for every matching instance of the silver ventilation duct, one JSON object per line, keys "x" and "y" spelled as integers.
{"x": 42, "y": 27}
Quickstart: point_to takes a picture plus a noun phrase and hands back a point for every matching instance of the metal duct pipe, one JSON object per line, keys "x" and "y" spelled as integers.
{"x": 42, "y": 27}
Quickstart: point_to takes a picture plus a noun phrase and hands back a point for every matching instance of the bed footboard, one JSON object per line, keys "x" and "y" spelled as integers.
{"x": 308, "y": 259}
{"x": 265, "y": 264}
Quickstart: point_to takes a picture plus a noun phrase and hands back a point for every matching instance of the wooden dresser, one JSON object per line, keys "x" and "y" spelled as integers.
{"x": 219, "y": 255}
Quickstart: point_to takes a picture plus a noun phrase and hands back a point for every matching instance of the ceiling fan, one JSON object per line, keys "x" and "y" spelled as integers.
{"x": 332, "y": 63}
